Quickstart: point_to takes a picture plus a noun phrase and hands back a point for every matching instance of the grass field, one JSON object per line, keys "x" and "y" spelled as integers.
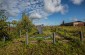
{"x": 41, "y": 46}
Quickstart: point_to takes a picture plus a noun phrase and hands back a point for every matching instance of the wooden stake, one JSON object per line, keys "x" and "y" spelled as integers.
{"x": 26, "y": 38}
{"x": 64, "y": 32}
{"x": 4, "y": 39}
{"x": 81, "y": 35}
{"x": 54, "y": 38}
{"x": 20, "y": 33}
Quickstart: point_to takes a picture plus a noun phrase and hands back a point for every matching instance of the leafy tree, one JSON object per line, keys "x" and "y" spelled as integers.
{"x": 3, "y": 25}
{"x": 25, "y": 24}
{"x": 14, "y": 22}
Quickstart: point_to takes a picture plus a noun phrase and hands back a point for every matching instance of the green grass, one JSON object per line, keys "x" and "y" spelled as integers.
{"x": 42, "y": 48}
{"x": 17, "y": 46}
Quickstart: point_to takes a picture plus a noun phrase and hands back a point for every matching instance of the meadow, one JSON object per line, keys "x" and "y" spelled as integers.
{"x": 38, "y": 45}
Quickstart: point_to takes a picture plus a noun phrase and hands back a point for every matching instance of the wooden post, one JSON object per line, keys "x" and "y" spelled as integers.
{"x": 20, "y": 33}
{"x": 26, "y": 38}
{"x": 64, "y": 32}
{"x": 54, "y": 38}
{"x": 81, "y": 35}
{"x": 4, "y": 39}
{"x": 9, "y": 27}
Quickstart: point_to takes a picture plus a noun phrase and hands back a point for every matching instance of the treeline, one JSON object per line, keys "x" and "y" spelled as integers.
{"x": 11, "y": 30}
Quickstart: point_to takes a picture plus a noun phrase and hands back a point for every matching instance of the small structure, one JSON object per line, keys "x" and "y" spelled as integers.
{"x": 76, "y": 23}
{"x": 40, "y": 28}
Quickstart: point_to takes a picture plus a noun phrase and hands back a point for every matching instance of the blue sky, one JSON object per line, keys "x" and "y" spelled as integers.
{"x": 75, "y": 11}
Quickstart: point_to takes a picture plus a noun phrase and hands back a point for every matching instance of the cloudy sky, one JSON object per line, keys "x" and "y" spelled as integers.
{"x": 48, "y": 12}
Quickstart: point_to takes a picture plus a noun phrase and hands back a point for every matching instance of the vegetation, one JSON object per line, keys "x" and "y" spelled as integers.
{"x": 42, "y": 48}
{"x": 67, "y": 38}
{"x": 25, "y": 24}
{"x": 3, "y": 26}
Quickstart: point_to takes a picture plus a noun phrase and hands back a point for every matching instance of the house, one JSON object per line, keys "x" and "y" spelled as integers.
{"x": 75, "y": 23}
{"x": 78, "y": 23}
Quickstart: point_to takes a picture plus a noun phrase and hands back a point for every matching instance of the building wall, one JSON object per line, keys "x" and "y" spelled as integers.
{"x": 78, "y": 24}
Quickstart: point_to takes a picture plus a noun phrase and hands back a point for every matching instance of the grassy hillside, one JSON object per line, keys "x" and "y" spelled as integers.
{"x": 41, "y": 46}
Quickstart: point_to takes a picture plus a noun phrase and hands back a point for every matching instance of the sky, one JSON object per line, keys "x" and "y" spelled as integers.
{"x": 52, "y": 12}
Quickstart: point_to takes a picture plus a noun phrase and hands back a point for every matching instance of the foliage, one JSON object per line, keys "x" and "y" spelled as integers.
{"x": 26, "y": 25}
{"x": 3, "y": 26}
{"x": 14, "y": 22}
{"x": 17, "y": 46}
{"x": 43, "y": 48}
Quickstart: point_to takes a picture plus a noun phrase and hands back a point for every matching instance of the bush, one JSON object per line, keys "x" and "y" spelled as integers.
{"x": 4, "y": 33}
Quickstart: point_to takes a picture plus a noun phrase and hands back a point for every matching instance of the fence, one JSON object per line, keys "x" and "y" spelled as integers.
{"x": 70, "y": 34}
{"x": 51, "y": 37}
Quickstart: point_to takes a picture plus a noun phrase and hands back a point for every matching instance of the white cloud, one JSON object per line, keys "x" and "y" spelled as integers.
{"x": 34, "y": 8}
{"x": 62, "y": 9}
{"x": 1, "y": 1}
{"x": 13, "y": 7}
{"x": 54, "y": 6}
{"x": 35, "y": 15}
{"x": 74, "y": 19}
{"x": 77, "y": 2}
{"x": 49, "y": 6}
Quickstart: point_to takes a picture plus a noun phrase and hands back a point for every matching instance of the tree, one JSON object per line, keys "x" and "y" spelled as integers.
{"x": 25, "y": 24}
{"x": 14, "y": 22}
{"x": 63, "y": 23}
{"x": 3, "y": 25}
{"x": 2, "y": 15}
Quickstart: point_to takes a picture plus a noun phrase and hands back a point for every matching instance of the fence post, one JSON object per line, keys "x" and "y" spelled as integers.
{"x": 54, "y": 38}
{"x": 65, "y": 32}
{"x": 81, "y": 35}
{"x": 20, "y": 33}
{"x": 4, "y": 39}
{"x": 26, "y": 38}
